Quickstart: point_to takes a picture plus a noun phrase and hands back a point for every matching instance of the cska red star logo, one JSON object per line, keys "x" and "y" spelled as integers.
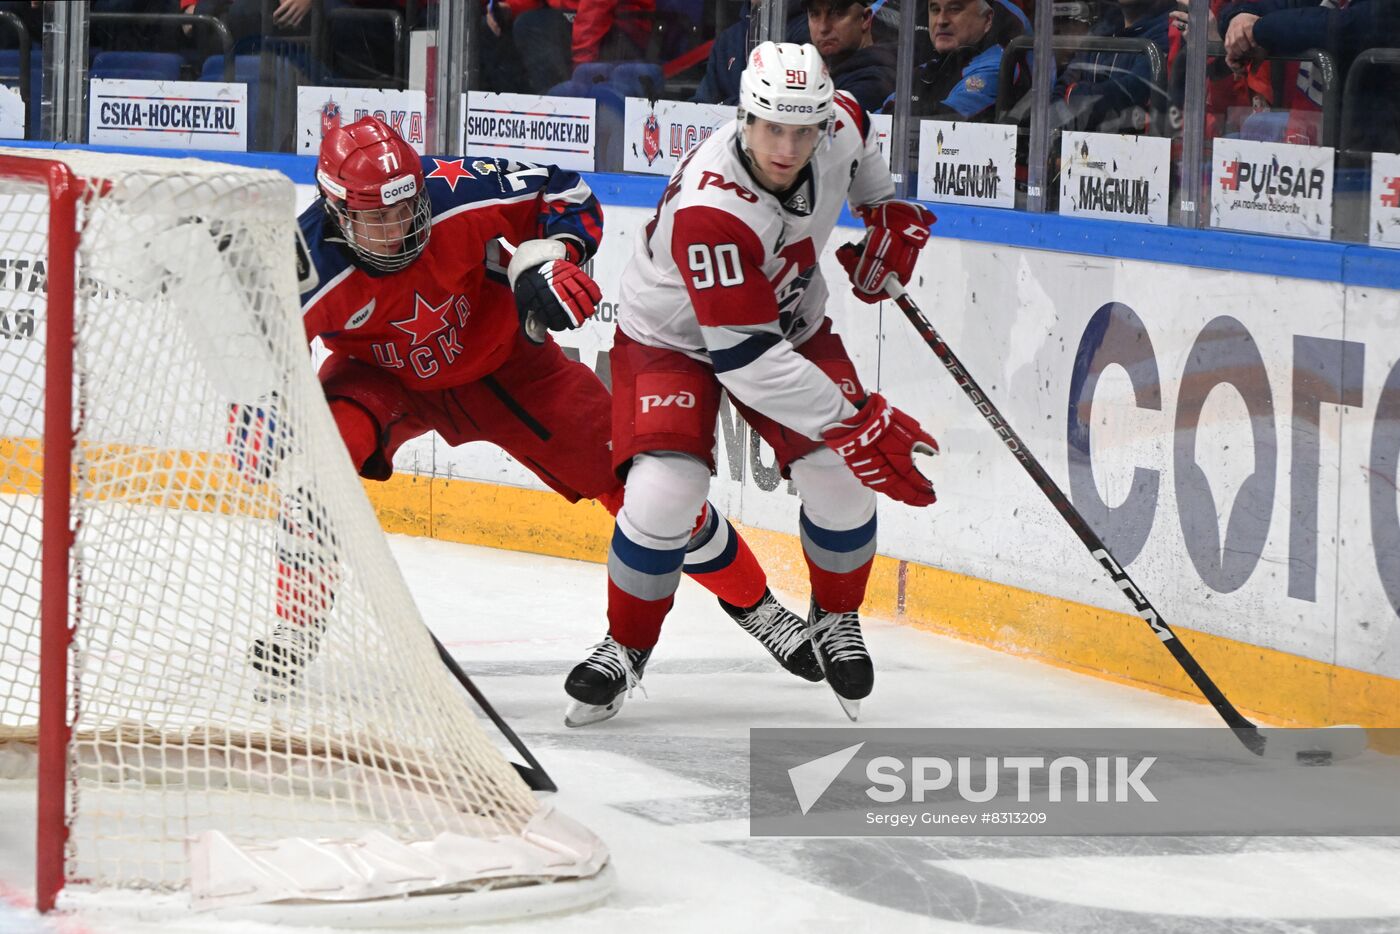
{"x": 1390, "y": 197}
{"x": 450, "y": 171}
{"x": 651, "y": 138}
{"x": 427, "y": 319}
{"x": 330, "y": 116}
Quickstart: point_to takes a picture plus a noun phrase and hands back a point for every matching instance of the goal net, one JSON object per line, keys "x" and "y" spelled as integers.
{"x": 238, "y": 698}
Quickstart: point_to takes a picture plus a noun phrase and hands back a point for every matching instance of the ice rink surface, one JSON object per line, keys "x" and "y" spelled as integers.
{"x": 665, "y": 784}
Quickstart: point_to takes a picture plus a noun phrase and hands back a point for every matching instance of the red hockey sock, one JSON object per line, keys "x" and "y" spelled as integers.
{"x": 304, "y": 596}
{"x": 740, "y": 582}
{"x": 721, "y": 562}
{"x": 635, "y": 623}
{"x": 839, "y": 593}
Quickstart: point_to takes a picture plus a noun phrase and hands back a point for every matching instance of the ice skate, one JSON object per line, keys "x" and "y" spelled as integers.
{"x": 600, "y": 683}
{"x": 281, "y": 657}
{"x": 781, "y": 632}
{"x": 842, "y": 655}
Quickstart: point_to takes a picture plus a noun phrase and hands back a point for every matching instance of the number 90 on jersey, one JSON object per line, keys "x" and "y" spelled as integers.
{"x": 717, "y": 265}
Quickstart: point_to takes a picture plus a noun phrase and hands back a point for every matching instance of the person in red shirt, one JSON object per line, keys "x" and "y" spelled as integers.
{"x": 433, "y": 283}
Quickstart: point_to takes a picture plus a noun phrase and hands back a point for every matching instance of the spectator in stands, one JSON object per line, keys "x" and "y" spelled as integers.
{"x": 860, "y": 66}
{"x": 1256, "y": 29}
{"x": 554, "y": 36}
{"x": 244, "y": 17}
{"x": 960, "y": 81}
{"x": 500, "y": 66}
{"x": 1113, "y": 92}
{"x": 1254, "y": 101}
{"x": 361, "y": 49}
{"x": 1074, "y": 18}
{"x": 720, "y": 85}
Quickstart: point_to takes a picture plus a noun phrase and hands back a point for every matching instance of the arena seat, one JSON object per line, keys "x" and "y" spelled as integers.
{"x": 639, "y": 79}
{"x": 152, "y": 66}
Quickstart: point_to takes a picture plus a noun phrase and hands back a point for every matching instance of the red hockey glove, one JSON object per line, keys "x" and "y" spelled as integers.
{"x": 550, "y": 290}
{"x": 878, "y": 443}
{"x": 897, "y": 232}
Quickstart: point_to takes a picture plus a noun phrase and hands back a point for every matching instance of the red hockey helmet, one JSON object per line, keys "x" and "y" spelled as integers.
{"x": 372, "y": 185}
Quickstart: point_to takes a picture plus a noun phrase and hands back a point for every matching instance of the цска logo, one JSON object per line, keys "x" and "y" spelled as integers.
{"x": 1390, "y": 188}
{"x": 651, "y": 138}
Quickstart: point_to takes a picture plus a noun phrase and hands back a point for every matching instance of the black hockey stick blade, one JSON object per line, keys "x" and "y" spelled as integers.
{"x": 1268, "y": 744}
{"x": 534, "y": 774}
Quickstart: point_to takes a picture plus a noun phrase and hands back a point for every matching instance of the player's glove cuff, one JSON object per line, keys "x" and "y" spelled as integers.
{"x": 535, "y": 253}
{"x": 878, "y": 444}
{"x": 551, "y": 294}
{"x": 897, "y": 232}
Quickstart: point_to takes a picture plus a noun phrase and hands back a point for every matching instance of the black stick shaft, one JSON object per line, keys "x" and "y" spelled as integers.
{"x": 1141, "y": 605}
{"x": 534, "y": 774}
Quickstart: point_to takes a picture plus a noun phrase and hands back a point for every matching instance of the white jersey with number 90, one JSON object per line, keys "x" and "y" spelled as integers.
{"x": 726, "y": 272}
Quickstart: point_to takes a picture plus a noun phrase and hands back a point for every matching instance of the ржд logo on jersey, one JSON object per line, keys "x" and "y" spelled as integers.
{"x": 681, "y": 400}
{"x": 714, "y": 179}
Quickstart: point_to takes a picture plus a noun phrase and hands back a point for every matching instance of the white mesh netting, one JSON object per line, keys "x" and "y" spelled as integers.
{"x": 248, "y": 665}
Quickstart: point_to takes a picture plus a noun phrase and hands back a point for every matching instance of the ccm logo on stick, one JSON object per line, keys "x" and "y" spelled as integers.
{"x": 681, "y": 400}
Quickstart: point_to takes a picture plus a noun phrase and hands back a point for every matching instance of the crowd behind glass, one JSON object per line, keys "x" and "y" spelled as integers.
{"x": 1292, "y": 71}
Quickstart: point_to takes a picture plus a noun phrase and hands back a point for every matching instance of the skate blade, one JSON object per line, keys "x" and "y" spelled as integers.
{"x": 851, "y": 707}
{"x": 813, "y": 675}
{"x": 580, "y": 714}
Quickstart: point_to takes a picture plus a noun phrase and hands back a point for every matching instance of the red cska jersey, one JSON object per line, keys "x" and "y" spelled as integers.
{"x": 449, "y": 318}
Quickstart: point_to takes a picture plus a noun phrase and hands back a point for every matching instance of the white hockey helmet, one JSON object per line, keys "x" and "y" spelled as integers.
{"x": 785, "y": 83}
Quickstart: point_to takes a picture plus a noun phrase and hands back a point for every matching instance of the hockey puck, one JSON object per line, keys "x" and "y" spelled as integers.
{"x": 1314, "y": 757}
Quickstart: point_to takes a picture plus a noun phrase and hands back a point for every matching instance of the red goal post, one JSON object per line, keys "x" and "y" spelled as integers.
{"x": 231, "y": 692}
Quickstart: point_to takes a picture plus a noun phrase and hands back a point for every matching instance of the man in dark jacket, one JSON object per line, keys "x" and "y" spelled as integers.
{"x": 1113, "y": 92}
{"x": 860, "y": 66}
{"x": 720, "y": 85}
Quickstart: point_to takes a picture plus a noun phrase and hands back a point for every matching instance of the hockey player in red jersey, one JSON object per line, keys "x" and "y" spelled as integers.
{"x": 724, "y": 294}
{"x": 434, "y": 323}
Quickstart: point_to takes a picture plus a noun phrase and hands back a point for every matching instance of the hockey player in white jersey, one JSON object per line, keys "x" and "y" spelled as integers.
{"x": 724, "y": 293}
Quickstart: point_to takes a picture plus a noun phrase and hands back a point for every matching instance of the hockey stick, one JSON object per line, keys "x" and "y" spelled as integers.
{"x": 1342, "y": 745}
{"x": 534, "y": 774}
